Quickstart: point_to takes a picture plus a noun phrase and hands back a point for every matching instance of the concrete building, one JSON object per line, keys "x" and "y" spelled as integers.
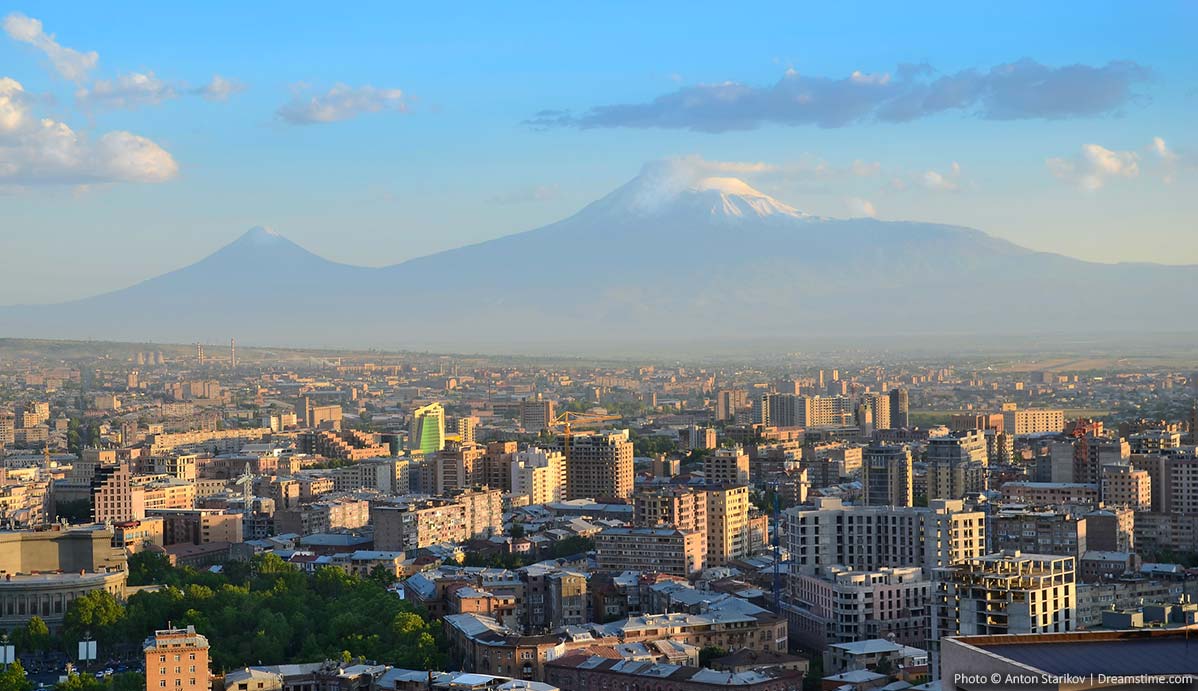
{"x": 872, "y": 537}
{"x": 887, "y": 475}
{"x": 538, "y": 476}
{"x": 726, "y": 467}
{"x": 1033, "y": 421}
{"x": 728, "y": 533}
{"x": 598, "y": 465}
{"x": 42, "y": 572}
{"x": 1050, "y": 493}
{"x": 536, "y": 414}
{"x": 841, "y": 605}
{"x": 956, "y": 464}
{"x": 900, "y": 408}
{"x": 665, "y": 550}
{"x": 673, "y": 506}
{"x": 1005, "y": 592}
{"x": 1037, "y": 532}
{"x": 405, "y": 526}
{"x": 482, "y": 508}
{"x": 458, "y": 465}
{"x": 1125, "y": 485}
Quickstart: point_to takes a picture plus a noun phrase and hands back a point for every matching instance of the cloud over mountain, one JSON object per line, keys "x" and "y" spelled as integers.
{"x": 1024, "y": 89}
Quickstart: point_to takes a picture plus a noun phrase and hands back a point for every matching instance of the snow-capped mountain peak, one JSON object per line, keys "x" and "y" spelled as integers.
{"x": 678, "y": 188}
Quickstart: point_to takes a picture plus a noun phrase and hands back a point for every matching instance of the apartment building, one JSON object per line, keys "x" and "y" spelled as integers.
{"x": 841, "y": 605}
{"x": 598, "y": 465}
{"x": 727, "y": 467}
{"x": 872, "y": 537}
{"x": 887, "y": 475}
{"x": 664, "y": 550}
{"x": 537, "y": 475}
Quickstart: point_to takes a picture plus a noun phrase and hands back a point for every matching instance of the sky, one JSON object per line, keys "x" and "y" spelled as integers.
{"x": 136, "y": 138}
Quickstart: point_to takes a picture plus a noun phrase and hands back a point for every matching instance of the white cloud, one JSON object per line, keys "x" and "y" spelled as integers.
{"x": 1094, "y": 166}
{"x": 1169, "y": 159}
{"x": 131, "y": 90}
{"x": 219, "y": 88}
{"x": 865, "y": 169}
{"x": 48, "y": 152}
{"x": 860, "y": 207}
{"x": 341, "y": 102}
{"x": 943, "y": 182}
{"x": 70, "y": 63}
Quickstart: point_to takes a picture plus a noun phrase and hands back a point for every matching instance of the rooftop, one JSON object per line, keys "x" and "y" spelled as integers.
{"x": 1115, "y": 653}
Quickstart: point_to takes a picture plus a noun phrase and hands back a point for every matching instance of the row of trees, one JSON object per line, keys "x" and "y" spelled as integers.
{"x": 265, "y": 611}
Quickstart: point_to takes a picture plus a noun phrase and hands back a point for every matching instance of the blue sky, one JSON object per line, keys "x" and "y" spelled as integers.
{"x": 427, "y": 144}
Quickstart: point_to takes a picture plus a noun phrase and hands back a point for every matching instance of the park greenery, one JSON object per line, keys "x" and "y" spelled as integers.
{"x": 262, "y": 611}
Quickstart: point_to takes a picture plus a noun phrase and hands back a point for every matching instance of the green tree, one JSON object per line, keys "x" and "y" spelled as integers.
{"x": 711, "y": 652}
{"x": 37, "y": 634}
{"x": 97, "y": 612}
{"x": 13, "y": 678}
{"x": 148, "y": 568}
{"x": 75, "y": 510}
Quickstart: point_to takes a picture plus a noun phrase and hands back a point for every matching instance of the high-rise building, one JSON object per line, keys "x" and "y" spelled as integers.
{"x": 674, "y": 506}
{"x": 871, "y": 537}
{"x": 878, "y": 405}
{"x": 536, "y": 414}
{"x": 887, "y": 475}
{"x": 116, "y": 496}
{"x": 900, "y": 408}
{"x": 1092, "y": 452}
{"x": 427, "y": 431}
{"x": 956, "y": 464}
{"x": 727, "y": 467}
{"x": 177, "y": 659}
{"x": 1006, "y": 592}
{"x": 1124, "y": 485}
{"x": 598, "y": 465}
{"x": 459, "y": 465}
{"x": 728, "y": 401}
{"x": 538, "y": 475}
{"x": 728, "y": 535}
{"x": 466, "y": 427}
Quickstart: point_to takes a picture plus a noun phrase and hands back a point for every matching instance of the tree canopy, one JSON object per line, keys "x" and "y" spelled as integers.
{"x": 273, "y": 613}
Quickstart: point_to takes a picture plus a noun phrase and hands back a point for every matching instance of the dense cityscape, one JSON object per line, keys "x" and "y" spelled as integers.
{"x": 395, "y": 521}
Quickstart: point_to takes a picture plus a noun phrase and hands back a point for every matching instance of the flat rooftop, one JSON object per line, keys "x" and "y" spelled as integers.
{"x": 1121, "y": 653}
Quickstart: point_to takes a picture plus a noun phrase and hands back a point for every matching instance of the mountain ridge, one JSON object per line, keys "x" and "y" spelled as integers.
{"x": 667, "y": 255}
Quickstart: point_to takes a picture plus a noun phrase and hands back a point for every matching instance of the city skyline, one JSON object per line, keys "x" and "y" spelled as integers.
{"x": 390, "y": 136}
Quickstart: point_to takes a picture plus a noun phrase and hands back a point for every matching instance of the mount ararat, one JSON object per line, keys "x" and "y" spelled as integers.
{"x": 662, "y": 259}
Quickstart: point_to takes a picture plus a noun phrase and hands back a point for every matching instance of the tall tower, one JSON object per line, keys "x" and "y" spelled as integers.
{"x": 199, "y": 353}
{"x": 233, "y": 353}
